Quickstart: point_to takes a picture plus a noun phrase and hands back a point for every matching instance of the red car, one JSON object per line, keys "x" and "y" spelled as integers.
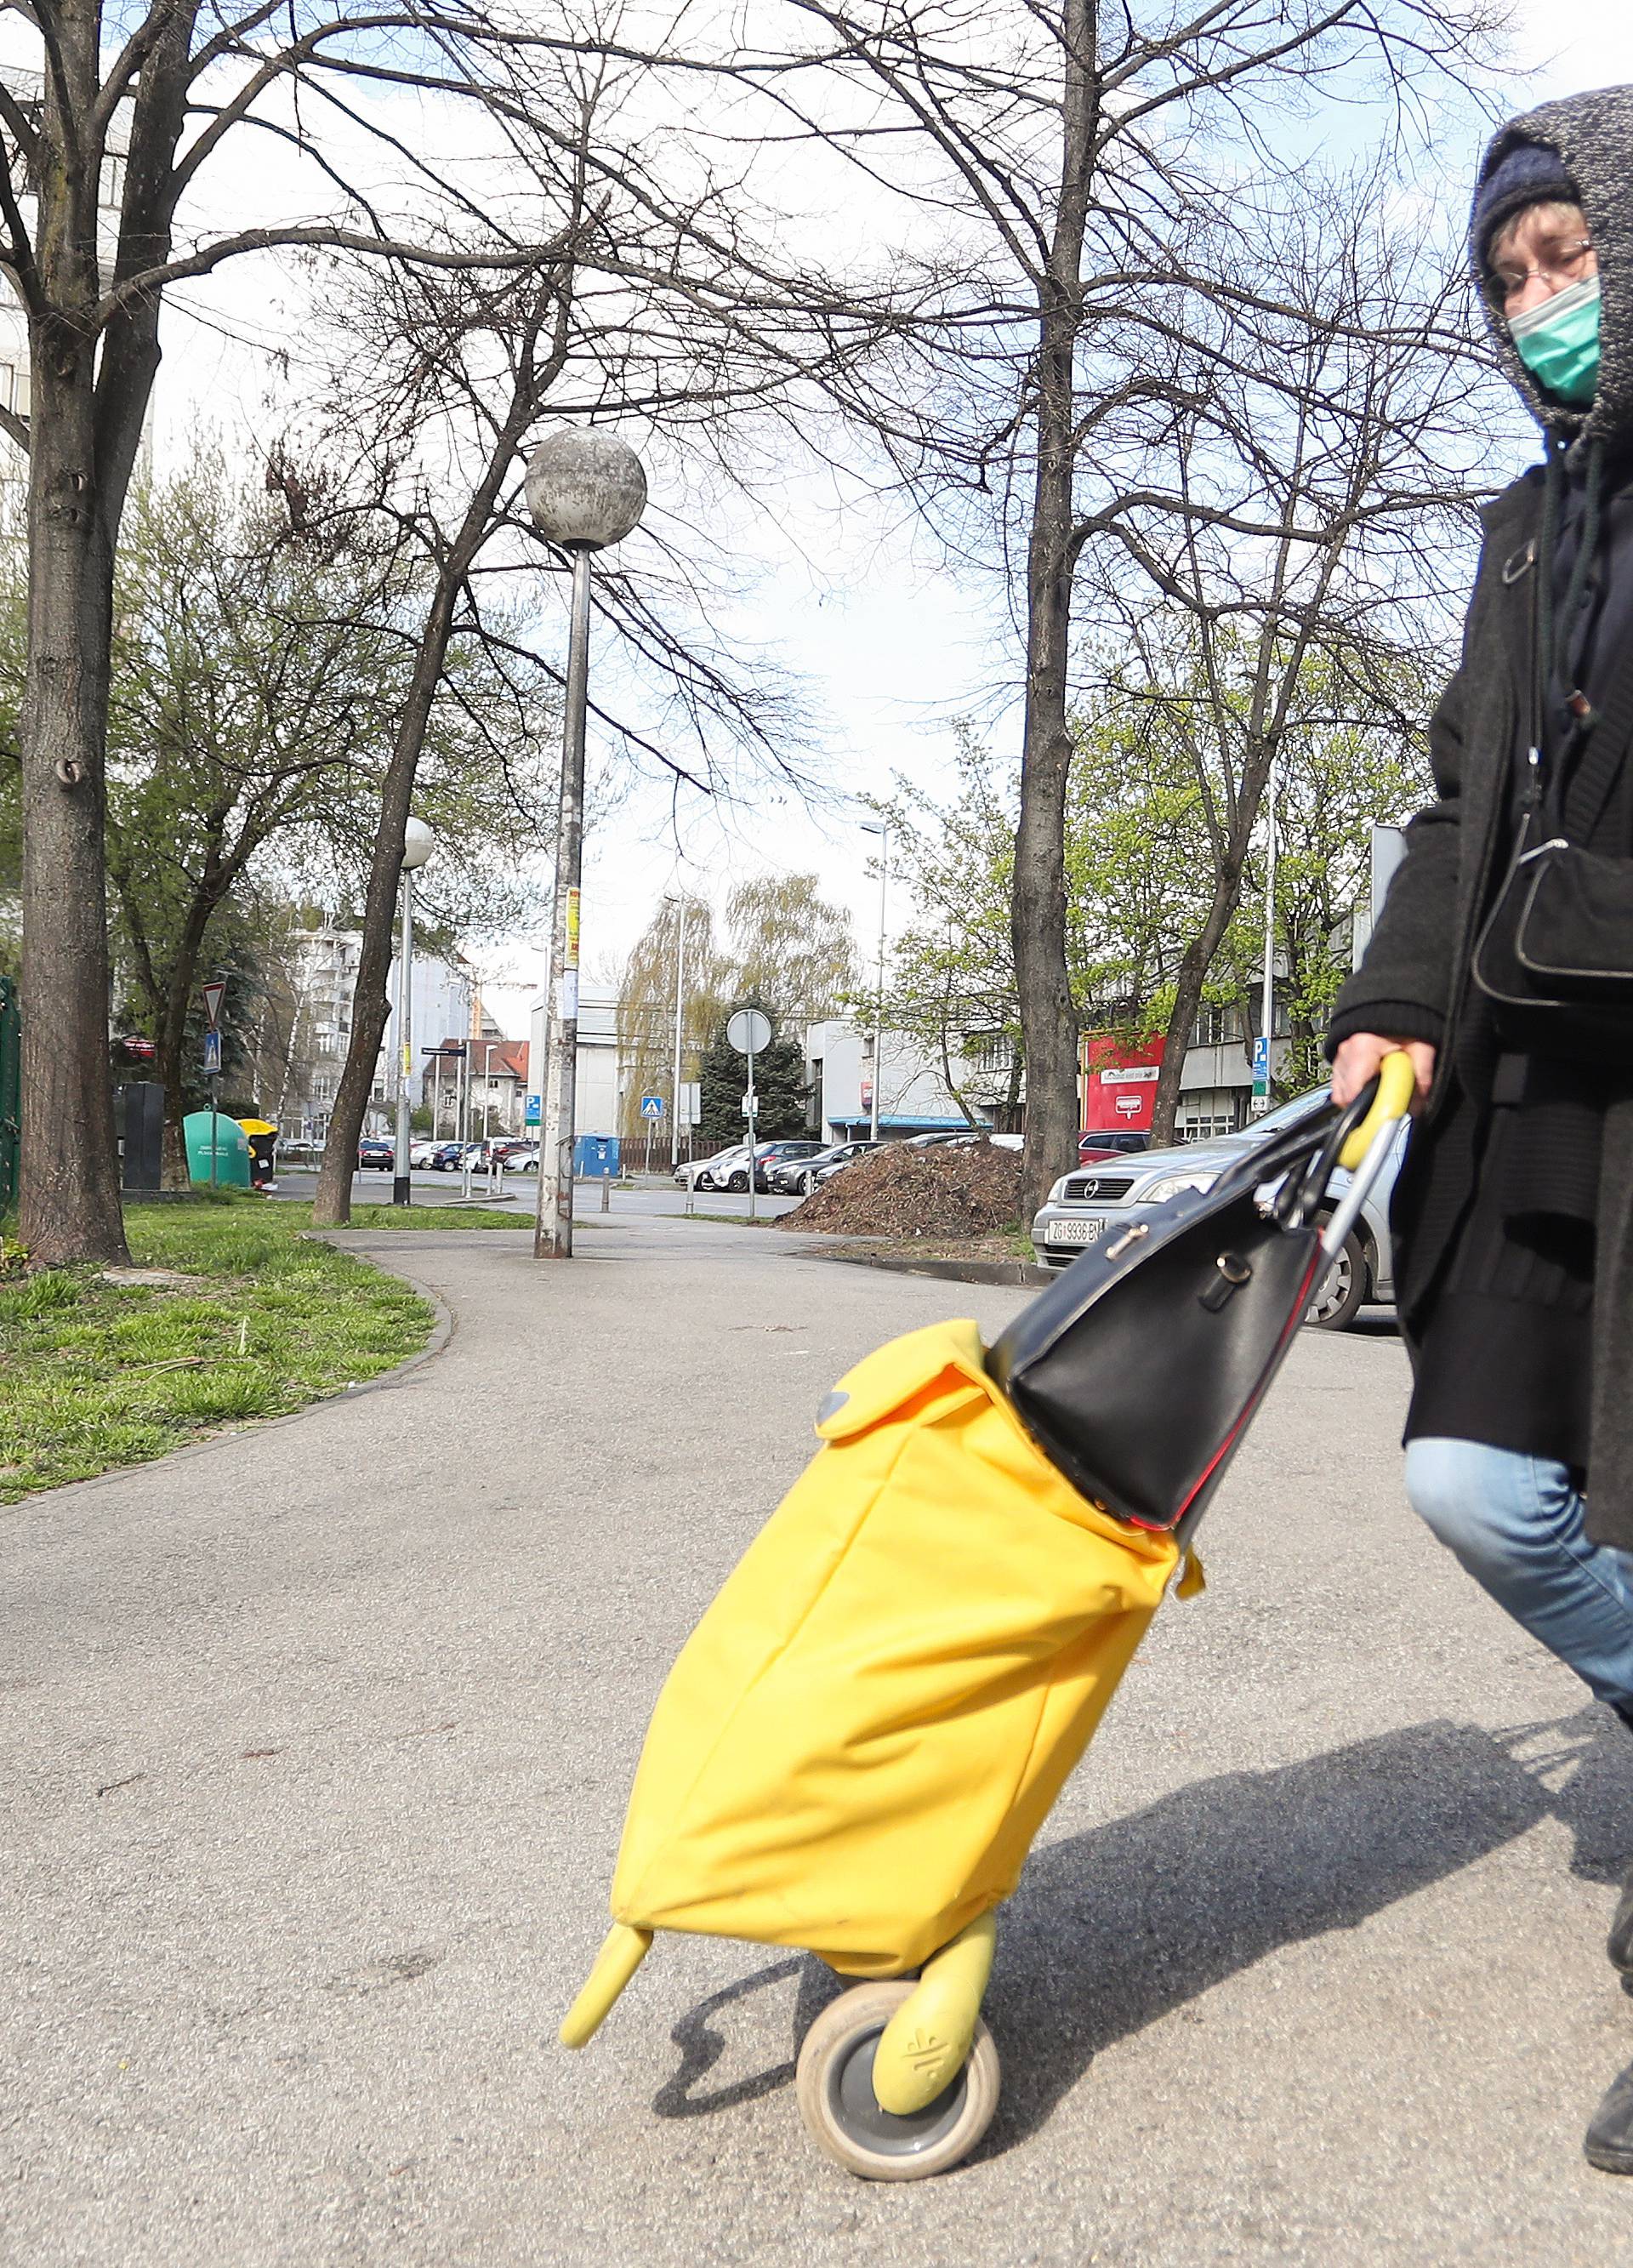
{"x": 1116, "y": 1143}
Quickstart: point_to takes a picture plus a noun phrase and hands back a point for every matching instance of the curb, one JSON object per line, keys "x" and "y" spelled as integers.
{"x": 954, "y": 1271}
{"x": 442, "y": 1330}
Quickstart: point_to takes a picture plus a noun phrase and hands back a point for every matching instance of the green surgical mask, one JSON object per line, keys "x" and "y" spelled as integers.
{"x": 1558, "y": 342}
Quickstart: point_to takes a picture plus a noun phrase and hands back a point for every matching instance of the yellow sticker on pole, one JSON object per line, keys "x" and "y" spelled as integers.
{"x": 572, "y": 928}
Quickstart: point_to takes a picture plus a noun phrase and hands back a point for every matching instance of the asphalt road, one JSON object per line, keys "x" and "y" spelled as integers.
{"x": 319, "y": 1741}
{"x": 519, "y": 1193}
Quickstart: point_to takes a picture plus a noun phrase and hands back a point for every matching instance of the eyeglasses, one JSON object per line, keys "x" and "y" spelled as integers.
{"x": 1563, "y": 265}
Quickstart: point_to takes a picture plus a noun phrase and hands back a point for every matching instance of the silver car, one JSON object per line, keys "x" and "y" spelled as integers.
{"x": 1098, "y": 1199}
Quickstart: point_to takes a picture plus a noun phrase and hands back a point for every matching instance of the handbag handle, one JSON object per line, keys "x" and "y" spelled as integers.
{"x": 1299, "y": 1200}
{"x": 1382, "y": 1103}
{"x": 1391, "y": 1092}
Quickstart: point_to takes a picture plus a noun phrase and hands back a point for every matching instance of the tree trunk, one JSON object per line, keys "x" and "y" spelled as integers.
{"x": 85, "y": 429}
{"x": 331, "y": 1206}
{"x": 531, "y": 381}
{"x": 1048, "y": 1020}
{"x": 69, "y": 1209}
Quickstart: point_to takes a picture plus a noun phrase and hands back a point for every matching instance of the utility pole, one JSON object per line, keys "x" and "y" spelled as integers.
{"x": 878, "y": 826}
{"x": 1267, "y": 997}
{"x": 682, "y": 908}
{"x": 585, "y": 491}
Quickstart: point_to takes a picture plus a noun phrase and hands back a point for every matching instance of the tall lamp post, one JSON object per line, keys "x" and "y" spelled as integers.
{"x": 878, "y": 826}
{"x": 585, "y": 491}
{"x": 418, "y": 842}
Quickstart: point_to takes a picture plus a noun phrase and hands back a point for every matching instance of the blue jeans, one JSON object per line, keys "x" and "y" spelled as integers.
{"x": 1516, "y": 1524}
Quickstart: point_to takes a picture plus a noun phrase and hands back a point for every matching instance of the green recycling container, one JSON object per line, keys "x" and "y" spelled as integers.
{"x": 231, "y": 1150}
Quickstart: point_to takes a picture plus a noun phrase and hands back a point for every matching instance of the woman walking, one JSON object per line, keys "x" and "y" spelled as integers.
{"x": 1503, "y": 960}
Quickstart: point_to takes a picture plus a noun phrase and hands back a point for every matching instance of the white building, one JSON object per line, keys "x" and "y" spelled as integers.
{"x": 443, "y": 1005}
{"x": 914, "y": 1098}
{"x": 598, "y": 1081}
{"x": 323, "y": 978}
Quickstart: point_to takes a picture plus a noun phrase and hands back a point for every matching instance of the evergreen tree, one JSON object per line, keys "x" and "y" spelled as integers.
{"x": 779, "y": 1082}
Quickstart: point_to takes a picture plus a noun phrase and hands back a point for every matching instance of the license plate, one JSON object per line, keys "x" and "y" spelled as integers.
{"x": 1087, "y": 1230}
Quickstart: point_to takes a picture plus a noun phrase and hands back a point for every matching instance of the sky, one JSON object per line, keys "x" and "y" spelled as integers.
{"x": 892, "y": 649}
{"x": 895, "y": 651}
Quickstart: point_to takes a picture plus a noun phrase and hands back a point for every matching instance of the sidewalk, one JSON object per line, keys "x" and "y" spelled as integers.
{"x": 319, "y": 1740}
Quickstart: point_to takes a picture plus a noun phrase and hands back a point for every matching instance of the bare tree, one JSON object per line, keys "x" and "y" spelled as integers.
{"x": 646, "y": 1003}
{"x": 671, "y": 315}
{"x": 1303, "y": 524}
{"x": 102, "y": 159}
{"x": 1089, "y": 164}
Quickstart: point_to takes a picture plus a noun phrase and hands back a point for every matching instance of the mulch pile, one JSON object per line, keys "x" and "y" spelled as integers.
{"x": 953, "y": 1188}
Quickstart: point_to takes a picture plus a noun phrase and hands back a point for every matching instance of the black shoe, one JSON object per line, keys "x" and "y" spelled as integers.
{"x": 1609, "y": 2143}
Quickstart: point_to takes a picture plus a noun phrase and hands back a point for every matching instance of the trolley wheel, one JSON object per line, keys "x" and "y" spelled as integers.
{"x": 834, "y": 2084}
{"x": 1340, "y": 1297}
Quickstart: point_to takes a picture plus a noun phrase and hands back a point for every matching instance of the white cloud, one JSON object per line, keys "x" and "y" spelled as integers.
{"x": 1571, "y": 44}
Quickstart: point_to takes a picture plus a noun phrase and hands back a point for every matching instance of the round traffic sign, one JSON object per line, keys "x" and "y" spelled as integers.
{"x": 749, "y": 1031}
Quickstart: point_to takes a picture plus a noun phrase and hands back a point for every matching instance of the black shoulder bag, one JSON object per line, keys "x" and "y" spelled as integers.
{"x": 1554, "y": 955}
{"x": 1138, "y": 1370}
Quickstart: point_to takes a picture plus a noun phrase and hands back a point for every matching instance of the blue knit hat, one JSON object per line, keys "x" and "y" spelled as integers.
{"x": 1529, "y": 175}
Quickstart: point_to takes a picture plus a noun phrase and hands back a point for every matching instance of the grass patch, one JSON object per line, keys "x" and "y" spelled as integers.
{"x": 95, "y": 1374}
{"x": 416, "y": 1216}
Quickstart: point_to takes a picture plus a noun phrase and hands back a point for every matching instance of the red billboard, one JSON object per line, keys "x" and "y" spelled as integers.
{"x": 1119, "y": 1081}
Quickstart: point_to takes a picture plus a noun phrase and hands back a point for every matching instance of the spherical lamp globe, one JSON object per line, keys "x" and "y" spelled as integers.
{"x": 418, "y": 842}
{"x": 585, "y": 489}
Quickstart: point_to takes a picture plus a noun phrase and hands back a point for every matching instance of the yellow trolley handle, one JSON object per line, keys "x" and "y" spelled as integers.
{"x": 1397, "y": 1083}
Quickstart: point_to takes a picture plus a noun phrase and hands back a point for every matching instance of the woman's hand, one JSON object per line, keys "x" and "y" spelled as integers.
{"x": 1356, "y": 1062}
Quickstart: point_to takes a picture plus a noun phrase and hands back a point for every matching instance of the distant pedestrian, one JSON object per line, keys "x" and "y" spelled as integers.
{"x": 1497, "y": 962}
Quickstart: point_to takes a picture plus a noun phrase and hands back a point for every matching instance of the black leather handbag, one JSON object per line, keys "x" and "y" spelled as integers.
{"x": 1555, "y": 957}
{"x": 1137, "y": 1371}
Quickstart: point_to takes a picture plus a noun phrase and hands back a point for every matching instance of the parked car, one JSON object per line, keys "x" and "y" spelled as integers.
{"x": 797, "y": 1177}
{"x": 962, "y": 1138}
{"x": 711, "y": 1172}
{"x": 446, "y": 1157}
{"x": 823, "y": 1169}
{"x": 381, "y": 1154}
{"x": 1099, "y": 1200}
{"x": 421, "y": 1153}
{"x": 770, "y": 1155}
{"x": 494, "y": 1151}
{"x": 521, "y": 1158}
{"x": 733, "y": 1174}
{"x": 1115, "y": 1142}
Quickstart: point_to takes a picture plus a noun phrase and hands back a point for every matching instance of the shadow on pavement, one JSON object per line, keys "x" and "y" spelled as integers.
{"x": 1115, "y": 1928}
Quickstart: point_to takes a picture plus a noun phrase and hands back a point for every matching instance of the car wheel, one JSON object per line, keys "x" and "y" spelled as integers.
{"x": 1341, "y": 1298}
{"x": 738, "y": 1182}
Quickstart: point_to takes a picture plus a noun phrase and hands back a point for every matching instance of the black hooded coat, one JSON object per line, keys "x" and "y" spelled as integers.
{"x": 1413, "y": 982}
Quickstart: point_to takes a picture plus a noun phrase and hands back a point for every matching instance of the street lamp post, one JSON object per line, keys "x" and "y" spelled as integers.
{"x": 878, "y": 826}
{"x": 585, "y": 491}
{"x": 418, "y": 842}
